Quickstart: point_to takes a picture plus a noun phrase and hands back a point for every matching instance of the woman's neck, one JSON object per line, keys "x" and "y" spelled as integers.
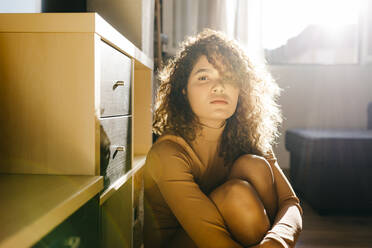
{"x": 210, "y": 133}
{"x": 206, "y": 143}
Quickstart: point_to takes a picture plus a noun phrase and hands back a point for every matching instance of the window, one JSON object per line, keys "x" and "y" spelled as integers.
{"x": 311, "y": 31}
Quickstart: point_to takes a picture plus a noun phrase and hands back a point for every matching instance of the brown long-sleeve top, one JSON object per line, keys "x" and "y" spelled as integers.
{"x": 178, "y": 181}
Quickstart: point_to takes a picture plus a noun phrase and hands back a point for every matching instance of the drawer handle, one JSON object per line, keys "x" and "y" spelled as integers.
{"x": 118, "y": 83}
{"x": 117, "y": 149}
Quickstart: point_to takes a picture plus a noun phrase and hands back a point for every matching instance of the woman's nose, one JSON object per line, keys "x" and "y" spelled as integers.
{"x": 219, "y": 87}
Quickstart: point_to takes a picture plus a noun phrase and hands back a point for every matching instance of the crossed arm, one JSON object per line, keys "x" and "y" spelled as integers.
{"x": 288, "y": 222}
{"x": 200, "y": 217}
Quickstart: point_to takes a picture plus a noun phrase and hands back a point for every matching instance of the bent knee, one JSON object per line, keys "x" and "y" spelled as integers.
{"x": 252, "y": 168}
{"x": 237, "y": 194}
{"x": 230, "y": 190}
{"x": 252, "y": 161}
{"x": 242, "y": 210}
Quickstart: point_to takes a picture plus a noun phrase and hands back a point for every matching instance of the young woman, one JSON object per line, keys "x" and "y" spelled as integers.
{"x": 211, "y": 178}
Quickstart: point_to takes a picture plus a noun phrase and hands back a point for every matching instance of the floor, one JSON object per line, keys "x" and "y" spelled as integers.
{"x": 334, "y": 231}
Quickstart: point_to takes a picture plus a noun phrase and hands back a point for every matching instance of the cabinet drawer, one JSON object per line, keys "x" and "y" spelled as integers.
{"x": 116, "y": 72}
{"x": 79, "y": 230}
{"x": 115, "y": 148}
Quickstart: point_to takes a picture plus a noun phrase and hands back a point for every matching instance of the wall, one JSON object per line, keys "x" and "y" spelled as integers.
{"x": 134, "y": 19}
{"x": 318, "y": 96}
{"x": 20, "y": 6}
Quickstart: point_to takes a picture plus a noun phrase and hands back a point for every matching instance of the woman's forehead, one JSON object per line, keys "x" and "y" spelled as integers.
{"x": 203, "y": 62}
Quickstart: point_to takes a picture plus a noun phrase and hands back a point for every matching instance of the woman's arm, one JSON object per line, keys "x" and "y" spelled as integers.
{"x": 288, "y": 222}
{"x": 196, "y": 213}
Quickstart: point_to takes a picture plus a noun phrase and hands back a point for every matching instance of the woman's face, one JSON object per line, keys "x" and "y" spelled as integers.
{"x": 210, "y": 98}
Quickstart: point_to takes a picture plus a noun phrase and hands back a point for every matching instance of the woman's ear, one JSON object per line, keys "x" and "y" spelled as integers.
{"x": 184, "y": 91}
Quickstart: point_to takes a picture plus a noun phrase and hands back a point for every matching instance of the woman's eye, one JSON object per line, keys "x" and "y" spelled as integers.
{"x": 203, "y": 78}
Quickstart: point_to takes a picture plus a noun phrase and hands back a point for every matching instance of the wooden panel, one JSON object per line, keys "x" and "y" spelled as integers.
{"x": 47, "y": 103}
{"x": 115, "y": 133}
{"x": 68, "y": 23}
{"x": 138, "y": 211}
{"x": 116, "y": 70}
{"x": 47, "y": 22}
{"x": 116, "y": 218}
{"x": 79, "y": 230}
{"x": 142, "y": 117}
{"x": 32, "y": 205}
{"x": 137, "y": 163}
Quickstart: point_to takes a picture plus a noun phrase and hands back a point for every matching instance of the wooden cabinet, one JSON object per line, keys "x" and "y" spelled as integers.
{"x": 75, "y": 99}
{"x": 49, "y": 210}
{"x": 81, "y": 229}
{"x": 116, "y": 135}
{"x": 116, "y": 218}
{"x": 138, "y": 208}
{"x": 115, "y": 84}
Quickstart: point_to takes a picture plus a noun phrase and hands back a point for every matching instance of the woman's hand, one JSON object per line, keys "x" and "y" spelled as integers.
{"x": 268, "y": 243}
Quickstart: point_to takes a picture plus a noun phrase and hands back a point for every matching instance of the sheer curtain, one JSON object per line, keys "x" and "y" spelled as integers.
{"x": 238, "y": 19}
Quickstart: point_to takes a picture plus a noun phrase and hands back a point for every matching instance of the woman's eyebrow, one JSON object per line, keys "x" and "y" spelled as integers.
{"x": 202, "y": 70}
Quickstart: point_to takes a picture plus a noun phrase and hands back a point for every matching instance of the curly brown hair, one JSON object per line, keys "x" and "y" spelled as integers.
{"x": 254, "y": 125}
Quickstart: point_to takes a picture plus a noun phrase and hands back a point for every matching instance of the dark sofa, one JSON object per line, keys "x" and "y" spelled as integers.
{"x": 332, "y": 168}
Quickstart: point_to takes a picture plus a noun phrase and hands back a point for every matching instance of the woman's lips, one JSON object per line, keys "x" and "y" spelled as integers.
{"x": 219, "y": 102}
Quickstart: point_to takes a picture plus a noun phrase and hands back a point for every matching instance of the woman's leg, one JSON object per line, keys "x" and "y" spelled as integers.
{"x": 257, "y": 171}
{"x": 242, "y": 211}
{"x": 247, "y": 201}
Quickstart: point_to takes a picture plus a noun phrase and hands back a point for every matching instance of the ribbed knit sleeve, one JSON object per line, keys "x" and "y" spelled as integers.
{"x": 288, "y": 222}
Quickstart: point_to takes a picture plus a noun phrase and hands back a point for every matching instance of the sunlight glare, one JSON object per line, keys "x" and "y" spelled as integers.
{"x": 287, "y": 18}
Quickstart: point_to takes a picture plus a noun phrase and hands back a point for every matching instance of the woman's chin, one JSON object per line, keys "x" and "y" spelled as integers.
{"x": 216, "y": 119}
{"x": 221, "y": 115}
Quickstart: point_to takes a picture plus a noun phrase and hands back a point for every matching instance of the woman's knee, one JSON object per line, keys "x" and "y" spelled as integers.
{"x": 235, "y": 194}
{"x": 251, "y": 167}
{"x": 242, "y": 210}
{"x": 257, "y": 170}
